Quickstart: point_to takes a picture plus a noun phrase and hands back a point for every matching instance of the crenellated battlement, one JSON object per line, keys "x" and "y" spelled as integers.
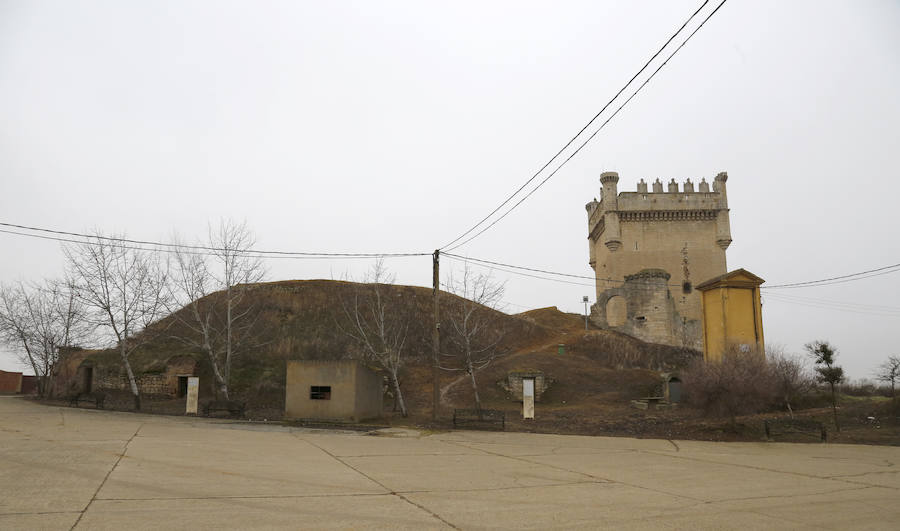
{"x": 673, "y": 186}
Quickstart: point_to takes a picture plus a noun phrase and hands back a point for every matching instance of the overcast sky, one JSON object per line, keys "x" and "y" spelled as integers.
{"x": 395, "y": 126}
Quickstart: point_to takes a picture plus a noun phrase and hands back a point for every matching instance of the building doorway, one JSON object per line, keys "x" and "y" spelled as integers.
{"x": 182, "y": 386}
{"x": 87, "y": 382}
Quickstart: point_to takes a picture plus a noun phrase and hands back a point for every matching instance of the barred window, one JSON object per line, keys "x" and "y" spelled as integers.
{"x": 320, "y": 392}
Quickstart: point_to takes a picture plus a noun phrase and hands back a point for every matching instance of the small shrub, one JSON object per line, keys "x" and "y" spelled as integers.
{"x": 742, "y": 383}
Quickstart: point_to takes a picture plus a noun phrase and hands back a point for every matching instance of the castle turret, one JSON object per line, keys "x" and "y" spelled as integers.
{"x": 609, "y": 180}
{"x": 612, "y": 236}
{"x": 719, "y": 186}
{"x": 723, "y": 224}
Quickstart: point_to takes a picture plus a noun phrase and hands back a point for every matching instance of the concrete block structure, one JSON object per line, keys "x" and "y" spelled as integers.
{"x": 10, "y": 382}
{"x": 513, "y": 383}
{"x": 649, "y": 248}
{"x": 332, "y": 390}
{"x": 732, "y": 314}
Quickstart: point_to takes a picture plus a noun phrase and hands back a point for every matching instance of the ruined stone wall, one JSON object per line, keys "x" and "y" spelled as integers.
{"x": 113, "y": 377}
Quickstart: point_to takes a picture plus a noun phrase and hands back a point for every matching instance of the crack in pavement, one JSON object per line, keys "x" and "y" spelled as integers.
{"x": 249, "y": 497}
{"x": 380, "y": 484}
{"x": 762, "y": 469}
{"x": 105, "y": 478}
{"x": 597, "y": 479}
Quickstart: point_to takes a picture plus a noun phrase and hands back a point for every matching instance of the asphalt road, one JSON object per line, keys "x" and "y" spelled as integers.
{"x": 63, "y": 468}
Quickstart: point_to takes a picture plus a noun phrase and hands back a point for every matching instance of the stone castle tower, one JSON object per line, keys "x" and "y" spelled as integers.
{"x": 649, "y": 249}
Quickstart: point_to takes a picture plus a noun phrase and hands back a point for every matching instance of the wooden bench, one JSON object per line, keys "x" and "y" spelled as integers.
{"x": 97, "y": 398}
{"x": 483, "y": 419}
{"x": 233, "y": 407}
{"x": 812, "y": 428}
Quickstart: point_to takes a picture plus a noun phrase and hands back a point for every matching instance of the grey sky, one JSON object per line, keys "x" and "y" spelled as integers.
{"x": 393, "y": 126}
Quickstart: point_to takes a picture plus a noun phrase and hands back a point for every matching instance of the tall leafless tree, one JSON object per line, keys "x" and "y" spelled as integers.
{"x": 36, "y": 320}
{"x": 219, "y": 325}
{"x": 473, "y": 318}
{"x": 124, "y": 289}
{"x": 235, "y": 267}
{"x": 377, "y": 318}
{"x": 889, "y": 372}
{"x": 791, "y": 375}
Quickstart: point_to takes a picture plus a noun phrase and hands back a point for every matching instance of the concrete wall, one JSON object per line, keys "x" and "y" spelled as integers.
{"x": 10, "y": 382}
{"x": 356, "y": 391}
{"x": 682, "y": 230}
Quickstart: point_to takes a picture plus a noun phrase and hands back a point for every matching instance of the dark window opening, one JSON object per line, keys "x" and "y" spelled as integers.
{"x": 182, "y": 386}
{"x": 640, "y": 318}
{"x": 320, "y": 392}
{"x": 686, "y": 288}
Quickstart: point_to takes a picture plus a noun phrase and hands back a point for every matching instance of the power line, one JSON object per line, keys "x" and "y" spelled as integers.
{"x": 545, "y": 271}
{"x": 583, "y": 144}
{"x": 830, "y": 302}
{"x": 196, "y": 249}
{"x": 513, "y": 272}
{"x": 841, "y": 279}
{"x": 774, "y": 298}
{"x": 592, "y": 120}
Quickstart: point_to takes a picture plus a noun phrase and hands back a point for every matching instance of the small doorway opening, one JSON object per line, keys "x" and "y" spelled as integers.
{"x": 182, "y": 386}
{"x": 87, "y": 383}
{"x": 674, "y": 390}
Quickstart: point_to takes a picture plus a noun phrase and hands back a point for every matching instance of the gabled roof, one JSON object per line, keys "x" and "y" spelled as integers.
{"x": 737, "y": 278}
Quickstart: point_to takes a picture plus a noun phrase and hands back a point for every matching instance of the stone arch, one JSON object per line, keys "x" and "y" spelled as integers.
{"x": 616, "y": 311}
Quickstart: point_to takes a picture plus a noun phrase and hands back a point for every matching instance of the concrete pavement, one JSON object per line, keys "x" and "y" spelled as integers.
{"x": 64, "y": 468}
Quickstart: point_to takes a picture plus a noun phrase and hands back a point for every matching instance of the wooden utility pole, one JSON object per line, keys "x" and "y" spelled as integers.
{"x": 436, "y": 336}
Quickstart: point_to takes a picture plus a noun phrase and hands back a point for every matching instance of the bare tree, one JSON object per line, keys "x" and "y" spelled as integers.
{"x": 742, "y": 383}
{"x": 791, "y": 375}
{"x": 235, "y": 267}
{"x": 823, "y": 355}
{"x": 37, "y": 320}
{"x": 124, "y": 291}
{"x": 377, "y": 318}
{"x": 218, "y": 324}
{"x": 889, "y": 371}
{"x": 473, "y": 320}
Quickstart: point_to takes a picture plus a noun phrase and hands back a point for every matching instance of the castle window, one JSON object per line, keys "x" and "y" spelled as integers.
{"x": 686, "y": 288}
{"x": 320, "y": 392}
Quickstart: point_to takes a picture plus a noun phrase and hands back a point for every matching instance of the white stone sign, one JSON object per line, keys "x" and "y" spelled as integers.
{"x": 193, "y": 395}
{"x": 528, "y": 398}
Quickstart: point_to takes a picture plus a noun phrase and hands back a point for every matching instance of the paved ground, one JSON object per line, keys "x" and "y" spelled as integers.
{"x": 62, "y": 468}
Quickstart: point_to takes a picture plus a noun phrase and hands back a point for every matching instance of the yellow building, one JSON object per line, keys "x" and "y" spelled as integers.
{"x": 732, "y": 314}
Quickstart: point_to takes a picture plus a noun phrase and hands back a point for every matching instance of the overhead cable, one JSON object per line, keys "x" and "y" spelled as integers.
{"x": 197, "y": 249}
{"x": 581, "y": 146}
{"x": 571, "y": 140}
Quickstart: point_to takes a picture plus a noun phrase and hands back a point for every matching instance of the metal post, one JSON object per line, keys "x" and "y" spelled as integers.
{"x": 585, "y": 300}
{"x": 436, "y": 336}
